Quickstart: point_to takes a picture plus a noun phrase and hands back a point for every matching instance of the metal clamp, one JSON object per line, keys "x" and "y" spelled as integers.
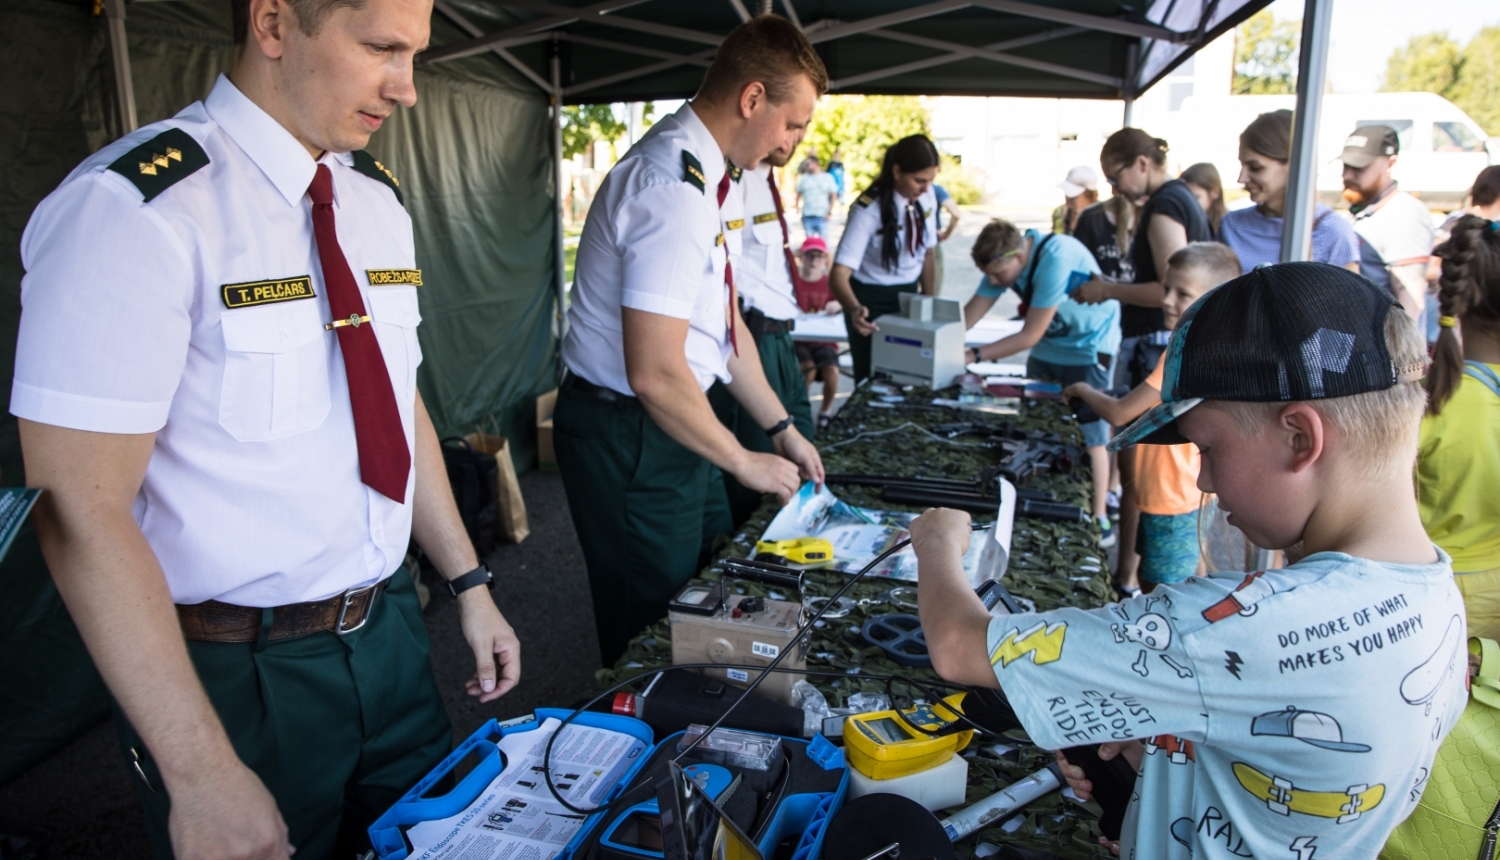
{"x": 349, "y": 597}
{"x": 354, "y": 320}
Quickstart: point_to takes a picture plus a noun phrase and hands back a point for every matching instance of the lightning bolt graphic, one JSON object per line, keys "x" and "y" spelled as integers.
{"x": 1233, "y": 662}
{"x": 1304, "y": 847}
{"x": 1043, "y": 643}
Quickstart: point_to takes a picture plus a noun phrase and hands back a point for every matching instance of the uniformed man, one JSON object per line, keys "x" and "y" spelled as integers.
{"x": 654, "y": 323}
{"x": 215, "y": 380}
{"x": 760, "y": 250}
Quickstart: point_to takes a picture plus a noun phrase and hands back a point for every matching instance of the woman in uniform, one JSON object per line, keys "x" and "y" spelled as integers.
{"x": 888, "y": 244}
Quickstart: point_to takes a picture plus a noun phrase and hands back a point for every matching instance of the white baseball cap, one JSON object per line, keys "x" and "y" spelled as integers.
{"x": 1080, "y": 179}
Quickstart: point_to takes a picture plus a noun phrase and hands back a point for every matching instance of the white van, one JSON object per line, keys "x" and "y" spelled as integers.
{"x": 1442, "y": 149}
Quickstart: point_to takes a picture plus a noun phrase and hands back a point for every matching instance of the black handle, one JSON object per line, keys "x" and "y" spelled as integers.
{"x": 1113, "y": 780}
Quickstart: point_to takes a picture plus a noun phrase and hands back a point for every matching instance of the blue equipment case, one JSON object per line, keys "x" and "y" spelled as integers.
{"x": 805, "y": 813}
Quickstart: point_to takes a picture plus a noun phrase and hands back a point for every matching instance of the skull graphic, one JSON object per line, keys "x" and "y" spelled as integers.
{"x": 1150, "y": 630}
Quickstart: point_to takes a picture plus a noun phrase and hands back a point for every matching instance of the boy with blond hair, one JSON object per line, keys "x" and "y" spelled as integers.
{"x": 1286, "y": 713}
{"x": 1163, "y": 478}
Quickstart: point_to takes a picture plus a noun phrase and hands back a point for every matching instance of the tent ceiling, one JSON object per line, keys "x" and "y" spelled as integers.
{"x": 629, "y": 50}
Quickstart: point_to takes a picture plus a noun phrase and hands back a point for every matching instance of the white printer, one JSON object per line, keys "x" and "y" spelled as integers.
{"x": 923, "y": 344}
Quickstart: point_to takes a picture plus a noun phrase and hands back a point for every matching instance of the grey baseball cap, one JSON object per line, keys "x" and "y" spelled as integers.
{"x": 1369, "y": 142}
{"x": 1310, "y": 727}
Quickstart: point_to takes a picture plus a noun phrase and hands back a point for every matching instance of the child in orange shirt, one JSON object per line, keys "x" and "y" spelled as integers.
{"x": 1166, "y": 476}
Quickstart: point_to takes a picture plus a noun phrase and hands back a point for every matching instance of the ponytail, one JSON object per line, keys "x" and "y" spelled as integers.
{"x": 1468, "y": 292}
{"x": 1126, "y": 145}
{"x": 911, "y": 154}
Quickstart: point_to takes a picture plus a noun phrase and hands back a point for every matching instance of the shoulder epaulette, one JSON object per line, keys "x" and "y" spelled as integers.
{"x": 161, "y": 162}
{"x": 365, "y": 163}
{"x": 864, "y": 200}
{"x": 734, "y": 171}
{"x": 692, "y": 171}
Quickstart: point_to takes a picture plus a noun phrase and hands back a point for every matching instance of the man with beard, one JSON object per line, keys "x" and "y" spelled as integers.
{"x": 1394, "y": 228}
{"x": 764, "y": 271}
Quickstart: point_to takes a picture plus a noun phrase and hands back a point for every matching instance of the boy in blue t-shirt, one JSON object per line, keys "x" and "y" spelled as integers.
{"x": 1282, "y": 713}
{"x": 1069, "y": 342}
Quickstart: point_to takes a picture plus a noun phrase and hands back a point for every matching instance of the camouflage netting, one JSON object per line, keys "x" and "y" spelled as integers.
{"x": 1052, "y": 564}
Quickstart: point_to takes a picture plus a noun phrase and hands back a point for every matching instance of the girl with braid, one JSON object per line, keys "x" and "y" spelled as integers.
{"x": 1458, "y": 461}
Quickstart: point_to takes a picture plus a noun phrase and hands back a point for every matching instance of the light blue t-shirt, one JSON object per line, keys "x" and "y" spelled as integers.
{"x": 1285, "y": 712}
{"x": 816, "y": 189}
{"x": 1078, "y": 332}
{"x": 1256, "y": 238}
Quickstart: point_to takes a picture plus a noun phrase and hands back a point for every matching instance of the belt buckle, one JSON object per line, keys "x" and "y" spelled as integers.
{"x": 349, "y": 597}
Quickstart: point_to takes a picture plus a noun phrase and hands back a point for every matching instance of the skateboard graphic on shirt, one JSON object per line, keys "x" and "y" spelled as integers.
{"x": 1284, "y": 798}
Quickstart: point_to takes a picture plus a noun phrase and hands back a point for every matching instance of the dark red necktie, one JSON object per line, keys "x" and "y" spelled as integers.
{"x": 384, "y": 458}
{"x": 728, "y": 272}
{"x": 786, "y": 237}
{"x": 911, "y": 228}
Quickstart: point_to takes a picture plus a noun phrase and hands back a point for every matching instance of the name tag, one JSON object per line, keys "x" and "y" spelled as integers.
{"x": 393, "y": 277}
{"x": 765, "y": 217}
{"x": 718, "y": 240}
{"x": 267, "y": 292}
{"x": 735, "y": 224}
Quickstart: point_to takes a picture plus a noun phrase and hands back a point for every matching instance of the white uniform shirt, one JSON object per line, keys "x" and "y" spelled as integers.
{"x": 653, "y": 242}
{"x": 252, "y": 495}
{"x": 760, "y": 272}
{"x": 859, "y": 249}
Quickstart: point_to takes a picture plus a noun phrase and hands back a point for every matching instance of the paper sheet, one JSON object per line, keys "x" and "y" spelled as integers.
{"x": 516, "y": 817}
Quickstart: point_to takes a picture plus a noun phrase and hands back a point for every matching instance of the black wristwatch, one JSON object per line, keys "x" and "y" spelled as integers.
{"x": 780, "y": 426}
{"x": 480, "y": 575}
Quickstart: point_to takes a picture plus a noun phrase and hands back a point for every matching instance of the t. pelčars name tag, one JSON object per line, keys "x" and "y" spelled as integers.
{"x": 393, "y": 277}
{"x": 267, "y": 292}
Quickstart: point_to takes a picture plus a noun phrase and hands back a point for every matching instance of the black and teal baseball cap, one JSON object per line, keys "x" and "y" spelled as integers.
{"x": 1284, "y": 332}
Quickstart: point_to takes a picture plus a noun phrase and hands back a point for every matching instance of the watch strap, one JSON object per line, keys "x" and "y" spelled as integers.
{"x": 480, "y": 575}
{"x": 780, "y": 426}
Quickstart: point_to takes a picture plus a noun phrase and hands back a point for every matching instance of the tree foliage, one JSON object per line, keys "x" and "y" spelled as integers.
{"x": 1468, "y": 76}
{"x": 862, "y": 128}
{"x": 1265, "y": 55}
{"x": 585, "y": 124}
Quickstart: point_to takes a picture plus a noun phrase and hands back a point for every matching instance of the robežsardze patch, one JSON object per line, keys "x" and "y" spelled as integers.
{"x": 252, "y": 293}
{"x": 394, "y": 277}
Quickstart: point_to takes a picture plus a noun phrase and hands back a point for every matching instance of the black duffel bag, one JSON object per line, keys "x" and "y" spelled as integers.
{"x": 472, "y": 474}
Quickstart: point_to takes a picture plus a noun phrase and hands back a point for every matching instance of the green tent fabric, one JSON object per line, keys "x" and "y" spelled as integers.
{"x": 474, "y": 163}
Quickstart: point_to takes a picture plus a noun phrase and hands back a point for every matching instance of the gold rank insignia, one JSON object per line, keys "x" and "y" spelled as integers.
{"x": 734, "y": 171}
{"x": 735, "y": 224}
{"x": 692, "y": 171}
{"x": 864, "y": 200}
{"x": 158, "y": 160}
{"x": 718, "y": 240}
{"x": 161, "y": 162}
{"x": 394, "y": 277}
{"x": 251, "y": 293}
{"x": 765, "y": 218}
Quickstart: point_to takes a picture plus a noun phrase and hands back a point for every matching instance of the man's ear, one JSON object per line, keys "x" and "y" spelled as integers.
{"x": 1305, "y": 431}
{"x": 751, "y": 97}
{"x": 270, "y": 21}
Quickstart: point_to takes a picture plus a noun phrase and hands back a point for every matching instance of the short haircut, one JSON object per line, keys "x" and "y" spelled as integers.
{"x": 1381, "y": 426}
{"x": 1486, "y": 188}
{"x": 997, "y": 237}
{"x": 1218, "y": 263}
{"x": 310, "y": 15}
{"x": 768, "y": 49}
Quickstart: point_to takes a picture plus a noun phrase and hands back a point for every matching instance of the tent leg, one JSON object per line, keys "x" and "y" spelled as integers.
{"x": 119, "y": 49}
{"x": 1132, "y": 51}
{"x": 1312, "y": 80}
{"x": 559, "y": 282}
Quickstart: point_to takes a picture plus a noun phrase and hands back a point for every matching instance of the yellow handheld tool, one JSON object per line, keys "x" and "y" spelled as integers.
{"x": 881, "y": 745}
{"x": 807, "y": 550}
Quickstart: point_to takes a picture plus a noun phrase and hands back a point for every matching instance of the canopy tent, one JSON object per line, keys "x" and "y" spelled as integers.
{"x": 479, "y": 169}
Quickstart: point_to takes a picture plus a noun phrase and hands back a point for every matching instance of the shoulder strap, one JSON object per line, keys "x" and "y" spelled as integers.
{"x": 1488, "y": 378}
{"x": 692, "y": 171}
{"x": 161, "y": 162}
{"x": 1036, "y": 254}
{"x": 365, "y": 163}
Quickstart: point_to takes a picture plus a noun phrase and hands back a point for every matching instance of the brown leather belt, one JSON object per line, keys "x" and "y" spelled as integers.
{"x": 213, "y": 621}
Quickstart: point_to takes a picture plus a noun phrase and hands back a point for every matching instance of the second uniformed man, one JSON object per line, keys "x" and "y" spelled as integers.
{"x": 653, "y": 324}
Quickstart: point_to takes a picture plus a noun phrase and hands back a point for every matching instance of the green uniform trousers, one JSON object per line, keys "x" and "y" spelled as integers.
{"x": 878, "y": 301}
{"x": 779, "y": 359}
{"x": 639, "y": 501}
{"x": 338, "y": 728}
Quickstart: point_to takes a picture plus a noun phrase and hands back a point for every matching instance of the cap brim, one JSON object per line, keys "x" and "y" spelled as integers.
{"x": 1357, "y": 158}
{"x": 1071, "y": 189}
{"x": 1157, "y": 427}
{"x": 1338, "y": 746}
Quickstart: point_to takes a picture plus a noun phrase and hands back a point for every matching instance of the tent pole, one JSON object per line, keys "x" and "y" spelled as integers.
{"x": 1312, "y": 78}
{"x": 119, "y": 49}
{"x": 559, "y": 264}
{"x": 1132, "y": 51}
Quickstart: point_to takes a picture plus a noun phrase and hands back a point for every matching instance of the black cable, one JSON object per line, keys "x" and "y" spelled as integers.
{"x": 765, "y": 672}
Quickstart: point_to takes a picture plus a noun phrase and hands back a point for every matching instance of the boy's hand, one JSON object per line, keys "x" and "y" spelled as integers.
{"x": 940, "y": 531}
{"x": 1077, "y": 389}
{"x": 1091, "y": 293}
{"x": 1134, "y": 752}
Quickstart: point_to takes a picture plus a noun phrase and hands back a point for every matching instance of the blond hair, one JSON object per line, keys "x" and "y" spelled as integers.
{"x": 1217, "y": 263}
{"x": 1381, "y": 426}
{"x": 767, "y": 49}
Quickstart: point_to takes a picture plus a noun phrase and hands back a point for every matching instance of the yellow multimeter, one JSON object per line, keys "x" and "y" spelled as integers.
{"x": 881, "y": 745}
{"x": 807, "y": 550}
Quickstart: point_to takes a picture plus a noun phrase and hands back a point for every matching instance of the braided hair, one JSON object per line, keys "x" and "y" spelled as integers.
{"x": 1468, "y": 292}
{"x": 911, "y": 154}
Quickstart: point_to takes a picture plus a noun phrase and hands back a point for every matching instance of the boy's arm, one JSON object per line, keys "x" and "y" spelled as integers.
{"x": 1031, "y": 333}
{"x": 954, "y": 620}
{"x": 1118, "y": 411}
{"x": 978, "y": 305}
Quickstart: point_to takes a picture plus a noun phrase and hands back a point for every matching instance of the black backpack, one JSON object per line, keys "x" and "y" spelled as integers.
{"x": 474, "y": 476}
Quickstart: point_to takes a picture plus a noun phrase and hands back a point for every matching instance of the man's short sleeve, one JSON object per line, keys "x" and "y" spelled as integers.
{"x": 862, "y": 223}
{"x": 1065, "y": 263}
{"x": 105, "y": 311}
{"x": 1076, "y": 676}
{"x": 664, "y": 252}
